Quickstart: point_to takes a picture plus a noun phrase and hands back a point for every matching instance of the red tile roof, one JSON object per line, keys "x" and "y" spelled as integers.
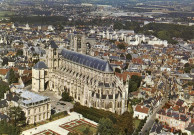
{"x": 124, "y": 75}
{"x": 142, "y": 109}
{"x": 3, "y": 71}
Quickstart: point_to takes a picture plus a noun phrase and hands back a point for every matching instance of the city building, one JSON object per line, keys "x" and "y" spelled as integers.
{"x": 89, "y": 80}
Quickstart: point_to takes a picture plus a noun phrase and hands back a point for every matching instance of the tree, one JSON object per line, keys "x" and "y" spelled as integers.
{"x": 136, "y": 79}
{"x": 128, "y": 56}
{"x": 125, "y": 123}
{"x": 132, "y": 86}
{"x": 7, "y": 128}
{"x": 70, "y": 133}
{"x": 11, "y": 77}
{"x": 17, "y": 116}
{"x": 121, "y": 46}
{"x": 117, "y": 70}
{"x": 3, "y": 88}
{"x": 118, "y": 25}
{"x": 66, "y": 97}
{"x": 187, "y": 69}
{"x": 134, "y": 83}
{"x": 105, "y": 127}
{"x": 164, "y": 35}
{"x": 87, "y": 131}
{"x": 5, "y": 61}
{"x": 19, "y": 53}
{"x": 187, "y": 65}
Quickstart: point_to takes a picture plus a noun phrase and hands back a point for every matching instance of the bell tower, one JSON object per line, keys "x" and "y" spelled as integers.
{"x": 52, "y": 56}
{"x": 39, "y": 76}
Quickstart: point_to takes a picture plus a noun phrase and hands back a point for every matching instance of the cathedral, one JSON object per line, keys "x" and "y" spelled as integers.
{"x": 89, "y": 80}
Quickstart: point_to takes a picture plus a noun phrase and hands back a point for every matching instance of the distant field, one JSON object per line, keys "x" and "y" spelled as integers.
{"x": 5, "y": 14}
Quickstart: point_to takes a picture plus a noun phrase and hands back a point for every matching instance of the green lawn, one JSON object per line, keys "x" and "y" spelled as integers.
{"x": 136, "y": 122}
{"x": 130, "y": 109}
{"x": 81, "y": 128}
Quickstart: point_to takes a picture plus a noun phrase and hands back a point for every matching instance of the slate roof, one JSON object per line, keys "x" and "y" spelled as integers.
{"x": 53, "y": 44}
{"x": 40, "y": 65}
{"x": 174, "y": 114}
{"x": 3, "y": 103}
{"x": 29, "y": 98}
{"x": 87, "y": 61}
{"x": 157, "y": 128}
{"x": 3, "y": 116}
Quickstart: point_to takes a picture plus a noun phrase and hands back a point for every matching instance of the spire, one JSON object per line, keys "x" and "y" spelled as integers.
{"x": 108, "y": 68}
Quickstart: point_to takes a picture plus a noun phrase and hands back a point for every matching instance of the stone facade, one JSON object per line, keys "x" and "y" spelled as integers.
{"x": 38, "y": 112}
{"x": 78, "y": 43}
{"x": 90, "y": 81}
{"x": 37, "y": 108}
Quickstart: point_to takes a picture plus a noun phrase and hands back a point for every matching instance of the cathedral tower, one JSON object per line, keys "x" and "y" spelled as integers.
{"x": 39, "y": 77}
{"x": 52, "y": 56}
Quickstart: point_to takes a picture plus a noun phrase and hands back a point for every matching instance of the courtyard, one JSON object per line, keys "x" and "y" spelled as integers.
{"x": 80, "y": 126}
{"x": 74, "y": 123}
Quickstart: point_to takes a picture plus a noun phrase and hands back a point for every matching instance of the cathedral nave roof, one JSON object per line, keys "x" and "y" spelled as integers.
{"x": 87, "y": 61}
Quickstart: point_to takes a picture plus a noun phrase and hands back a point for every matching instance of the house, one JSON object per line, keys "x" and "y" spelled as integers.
{"x": 173, "y": 119}
{"x": 37, "y": 108}
{"x": 156, "y": 129}
{"x": 141, "y": 112}
{"x": 3, "y": 73}
{"x": 3, "y": 106}
{"x": 4, "y": 117}
{"x": 149, "y": 80}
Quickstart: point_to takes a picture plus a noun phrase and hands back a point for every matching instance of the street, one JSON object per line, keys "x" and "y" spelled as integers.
{"x": 151, "y": 118}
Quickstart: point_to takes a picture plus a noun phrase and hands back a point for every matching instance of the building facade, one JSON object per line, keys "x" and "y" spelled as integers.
{"x": 89, "y": 80}
{"x": 37, "y": 108}
{"x": 173, "y": 119}
{"x": 78, "y": 43}
{"x": 141, "y": 112}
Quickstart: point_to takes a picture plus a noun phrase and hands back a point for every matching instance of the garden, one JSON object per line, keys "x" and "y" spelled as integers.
{"x": 80, "y": 126}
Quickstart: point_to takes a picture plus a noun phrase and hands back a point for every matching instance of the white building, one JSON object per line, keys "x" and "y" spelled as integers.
{"x": 141, "y": 112}
{"x": 37, "y": 108}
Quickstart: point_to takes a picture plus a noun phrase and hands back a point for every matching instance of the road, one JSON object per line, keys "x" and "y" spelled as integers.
{"x": 151, "y": 119}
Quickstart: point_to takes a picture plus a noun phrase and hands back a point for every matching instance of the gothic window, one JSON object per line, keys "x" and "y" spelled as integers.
{"x": 55, "y": 52}
{"x": 35, "y": 110}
